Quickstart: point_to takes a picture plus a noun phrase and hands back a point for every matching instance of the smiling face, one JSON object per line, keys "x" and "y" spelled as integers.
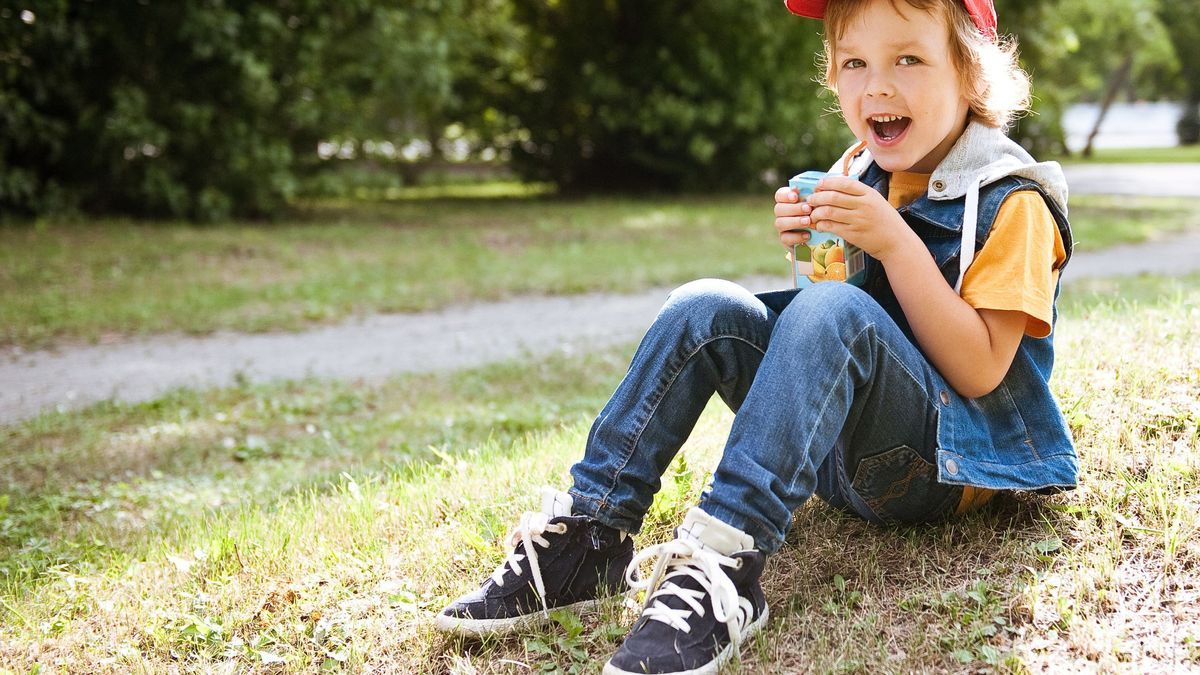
{"x": 897, "y": 85}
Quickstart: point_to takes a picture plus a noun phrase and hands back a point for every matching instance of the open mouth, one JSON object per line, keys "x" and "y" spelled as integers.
{"x": 888, "y": 128}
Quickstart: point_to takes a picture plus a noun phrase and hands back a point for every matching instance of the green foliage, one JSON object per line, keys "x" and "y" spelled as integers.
{"x": 1182, "y": 21}
{"x": 667, "y": 95}
{"x": 568, "y": 647}
{"x": 200, "y": 110}
{"x": 148, "y": 108}
{"x": 1071, "y": 48}
{"x": 429, "y": 67}
{"x": 206, "y": 110}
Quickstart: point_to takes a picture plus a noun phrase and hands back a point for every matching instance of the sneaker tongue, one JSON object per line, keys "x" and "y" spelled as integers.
{"x": 556, "y": 504}
{"x": 713, "y": 534}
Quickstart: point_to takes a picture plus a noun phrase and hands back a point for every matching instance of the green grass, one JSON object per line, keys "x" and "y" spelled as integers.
{"x": 314, "y": 525}
{"x": 487, "y": 189}
{"x": 1100, "y": 221}
{"x": 104, "y": 280}
{"x": 1172, "y": 155}
{"x": 100, "y": 281}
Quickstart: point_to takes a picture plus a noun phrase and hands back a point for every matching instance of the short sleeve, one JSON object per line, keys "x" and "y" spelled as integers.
{"x": 1017, "y": 268}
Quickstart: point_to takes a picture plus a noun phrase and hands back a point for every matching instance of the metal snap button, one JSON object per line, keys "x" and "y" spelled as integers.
{"x": 939, "y": 185}
{"x": 952, "y": 467}
{"x": 945, "y": 396}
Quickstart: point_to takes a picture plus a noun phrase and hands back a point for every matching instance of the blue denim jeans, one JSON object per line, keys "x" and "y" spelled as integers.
{"x": 830, "y": 399}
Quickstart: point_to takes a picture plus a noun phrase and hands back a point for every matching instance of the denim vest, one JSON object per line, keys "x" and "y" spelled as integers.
{"x": 1015, "y": 437}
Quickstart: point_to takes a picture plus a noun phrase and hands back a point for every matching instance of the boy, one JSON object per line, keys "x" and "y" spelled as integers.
{"x": 911, "y": 399}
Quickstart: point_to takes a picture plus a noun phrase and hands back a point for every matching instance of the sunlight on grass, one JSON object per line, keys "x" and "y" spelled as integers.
{"x": 318, "y": 526}
{"x": 485, "y": 190}
{"x": 1099, "y": 221}
{"x": 336, "y": 259}
{"x": 1169, "y": 155}
{"x": 105, "y": 280}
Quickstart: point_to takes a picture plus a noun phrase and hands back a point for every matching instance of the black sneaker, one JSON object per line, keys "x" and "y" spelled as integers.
{"x": 558, "y": 561}
{"x": 700, "y": 608}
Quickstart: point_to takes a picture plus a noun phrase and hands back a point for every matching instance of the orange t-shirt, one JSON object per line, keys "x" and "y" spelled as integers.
{"x": 1016, "y": 270}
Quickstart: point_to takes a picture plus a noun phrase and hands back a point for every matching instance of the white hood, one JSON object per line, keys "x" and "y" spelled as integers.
{"x": 984, "y": 155}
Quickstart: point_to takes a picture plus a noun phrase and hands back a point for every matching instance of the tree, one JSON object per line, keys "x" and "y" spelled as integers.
{"x": 671, "y": 94}
{"x": 1078, "y": 50}
{"x": 1182, "y": 21}
{"x": 202, "y": 109}
{"x": 149, "y": 108}
{"x": 433, "y": 64}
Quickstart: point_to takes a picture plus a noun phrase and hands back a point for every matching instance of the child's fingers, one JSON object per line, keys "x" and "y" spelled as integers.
{"x": 830, "y": 212}
{"x": 846, "y": 184}
{"x": 786, "y": 195}
{"x": 790, "y": 238}
{"x": 784, "y": 210}
{"x": 832, "y": 198}
{"x": 830, "y": 219}
{"x": 794, "y": 223}
{"x": 834, "y": 227}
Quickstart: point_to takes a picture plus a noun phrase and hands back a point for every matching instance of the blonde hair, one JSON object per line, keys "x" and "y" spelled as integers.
{"x": 996, "y": 87}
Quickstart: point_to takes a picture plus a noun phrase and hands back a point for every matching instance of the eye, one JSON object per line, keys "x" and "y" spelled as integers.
{"x": 908, "y": 60}
{"x": 853, "y": 63}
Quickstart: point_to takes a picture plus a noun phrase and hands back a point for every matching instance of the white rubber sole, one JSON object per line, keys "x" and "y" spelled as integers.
{"x": 498, "y": 627}
{"x": 712, "y": 667}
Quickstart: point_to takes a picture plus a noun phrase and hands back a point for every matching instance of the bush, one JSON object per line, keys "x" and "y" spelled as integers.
{"x": 668, "y": 95}
{"x": 199, "y": 110}
{"x": 151, "y": 109}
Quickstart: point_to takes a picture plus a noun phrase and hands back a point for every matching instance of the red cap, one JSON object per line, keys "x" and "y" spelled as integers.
{"x": 982, "y": 12}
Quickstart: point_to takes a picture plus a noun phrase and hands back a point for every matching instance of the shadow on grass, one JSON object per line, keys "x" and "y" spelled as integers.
{"x": 81, "y": 490}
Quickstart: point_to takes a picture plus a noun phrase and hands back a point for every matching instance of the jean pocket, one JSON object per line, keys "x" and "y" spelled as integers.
{"x": 901, "y": 486}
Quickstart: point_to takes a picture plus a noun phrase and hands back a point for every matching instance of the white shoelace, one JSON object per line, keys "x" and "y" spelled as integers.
{"x": 688, "y": 558}
{"x": 528, "y": 533}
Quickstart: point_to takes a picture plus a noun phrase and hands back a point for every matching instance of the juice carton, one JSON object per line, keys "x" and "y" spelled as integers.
{"x": 824, "y": 257}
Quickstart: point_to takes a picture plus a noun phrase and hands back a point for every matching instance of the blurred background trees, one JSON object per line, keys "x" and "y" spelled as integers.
{"x": 206, "y": 109}
{"x": 1182, "y": 23}
{"x": 673, "y": 94}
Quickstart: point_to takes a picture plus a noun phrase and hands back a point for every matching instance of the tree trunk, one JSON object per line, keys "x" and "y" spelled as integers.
{"x": 1188, "y": 128}
{"x": 1114, "y": 86}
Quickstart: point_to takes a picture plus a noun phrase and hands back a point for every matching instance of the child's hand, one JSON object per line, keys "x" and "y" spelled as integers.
{"x": 791, "y": 216}
{"x": 856, "y": 212}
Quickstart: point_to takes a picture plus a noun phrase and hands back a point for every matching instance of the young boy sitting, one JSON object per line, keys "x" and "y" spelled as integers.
{"x": 911, "y": 399}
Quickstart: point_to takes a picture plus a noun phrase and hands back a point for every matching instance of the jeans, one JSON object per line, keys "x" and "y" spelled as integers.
{"x": 830, "y": 398}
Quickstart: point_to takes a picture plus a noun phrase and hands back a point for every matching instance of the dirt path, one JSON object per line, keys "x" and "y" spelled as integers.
{"x": 385, "y": 345}
{"x": 459, "y": 337}
{"x": 375, "y": 347}
{"x": 1146, "y": 180}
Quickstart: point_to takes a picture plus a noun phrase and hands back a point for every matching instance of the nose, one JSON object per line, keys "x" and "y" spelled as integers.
{"x": 879, "y": 83}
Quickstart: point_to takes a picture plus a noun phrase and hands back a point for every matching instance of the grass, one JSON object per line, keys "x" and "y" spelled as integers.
{"x": 1100, "y": 221}
{"x": 64, "y": 282}
{"x": 88, "y": 281}
{"x": 1172, "y": 155}
{"x": 318, "y": 526}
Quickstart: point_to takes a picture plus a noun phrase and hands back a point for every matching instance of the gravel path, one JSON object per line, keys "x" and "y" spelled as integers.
{"x": 1148, "y": 180}
{"x": 375, "y": 347}
{"x": 459, "y": 337}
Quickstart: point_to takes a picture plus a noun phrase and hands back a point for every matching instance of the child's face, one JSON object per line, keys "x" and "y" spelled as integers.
{"x": 895, "y": 61}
